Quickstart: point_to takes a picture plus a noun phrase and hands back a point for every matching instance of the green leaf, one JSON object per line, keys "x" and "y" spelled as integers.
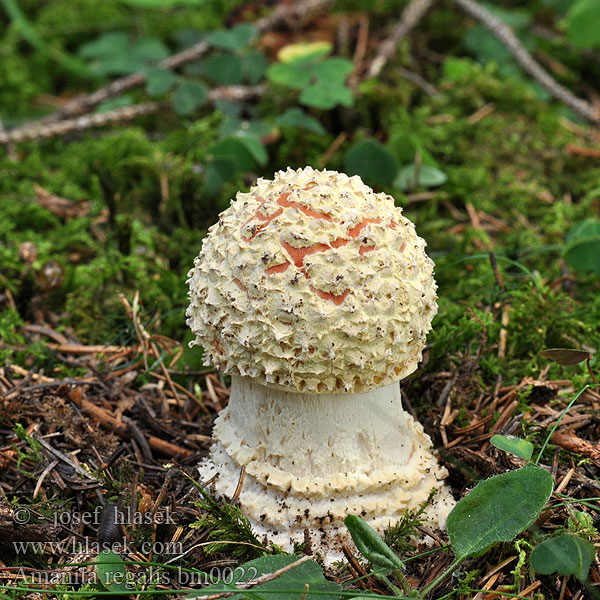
{"x": 159, "y": 80}
{"x": 254, "y": 66}
{"x": 115, "y": 54}
{"x": 188, "y": 97}
{"x": 296, "y": 117}
{"x": 583, "y": 23}
{"x": 218, "y": 170}
{"x": 372, "y": 161}
{"x": 332, "y": 70}
{"x": 235, "y": 149}
{"x": 229, "y": 108}
{"x": 325, "y": 97}
{"x": 411, "y": 177}
{"x": 119, "y": 64}
{"x": 498, "y": 509}
{"x": 111, "y": 571}
{"x": 304, "y": 51}
{"x": 233, "y": 39}
{"x": 565, "y": 554}
{"x": 288, "y": 75}
{"x": 109, "y": 44}
{"x": 405, "y": 145}
{"x": 370, "y": 544}
{"x": 223, "y": 68}
{"x": 513, "y": 444}
{"x": 582, "y": 248}
{"x": 254, "y": 146}
{"x": 322, "y": 82}
{"x": 148, "y": 50}
{"x": 565, "y": 356}
{"x": 291, "y": 585}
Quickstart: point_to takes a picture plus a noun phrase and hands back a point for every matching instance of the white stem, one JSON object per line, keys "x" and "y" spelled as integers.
{"x": 326, "y": 441}
{"x": 310, "y": 460}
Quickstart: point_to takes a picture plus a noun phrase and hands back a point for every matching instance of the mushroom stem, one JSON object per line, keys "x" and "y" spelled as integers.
{"x": 310, "y": 460}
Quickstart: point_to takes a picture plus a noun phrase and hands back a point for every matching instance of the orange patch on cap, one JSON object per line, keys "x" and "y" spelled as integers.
{"x": 337, "y": 299}
{"x": 280, "y": 268}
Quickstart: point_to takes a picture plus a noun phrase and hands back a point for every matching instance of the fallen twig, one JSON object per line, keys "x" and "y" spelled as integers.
{"x": 112, "y": 424}
{"x": 522, "y": 56}
{"x": 38, "y": 130}
{"x": 64, "y": 458}
{"x": 580, "y": 151}
{"x": 410, "y": 17}
{"x": 577, "y": 445}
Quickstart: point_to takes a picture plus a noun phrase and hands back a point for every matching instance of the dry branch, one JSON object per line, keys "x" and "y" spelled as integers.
{"x": 575, "y": 444}
{"x": 118, "y": 115}
{"x": 529, "y": 64}
{"x": 38, "y": 131}
{"x": 410, "y": 17}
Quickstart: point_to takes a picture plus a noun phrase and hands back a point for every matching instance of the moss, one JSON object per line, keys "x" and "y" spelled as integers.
{"x": 149, "y": 207}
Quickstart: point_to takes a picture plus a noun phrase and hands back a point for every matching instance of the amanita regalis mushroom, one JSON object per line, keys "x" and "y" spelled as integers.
{"x": 315, "y": 294}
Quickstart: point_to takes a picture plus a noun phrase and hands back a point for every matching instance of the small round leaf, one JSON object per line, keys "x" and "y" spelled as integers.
{"x": 565, "y": 356}
{"x": 111, "y": 571}
{"x": 514, "y": 445}
{"x": 411, "y": 177}
{"x": 188, "y": 97}
{"x": 372, "y": 161}
{"x": 565, "y": 554}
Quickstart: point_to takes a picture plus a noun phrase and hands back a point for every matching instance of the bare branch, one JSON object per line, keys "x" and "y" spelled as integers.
{"x": 410, "y": 17}
{"x": 522, "y": 56}
{"x": 118, "y": 115}
{"x": 39, "y": 131}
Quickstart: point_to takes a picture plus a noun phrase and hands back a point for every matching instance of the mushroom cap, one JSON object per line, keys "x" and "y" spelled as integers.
{"x": 312, "y": 283}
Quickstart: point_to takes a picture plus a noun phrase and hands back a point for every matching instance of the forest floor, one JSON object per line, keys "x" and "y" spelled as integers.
{"x": 102, "y": 400}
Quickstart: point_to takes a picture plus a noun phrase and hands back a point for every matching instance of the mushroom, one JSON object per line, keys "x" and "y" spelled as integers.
{"x": 315, "y": 294}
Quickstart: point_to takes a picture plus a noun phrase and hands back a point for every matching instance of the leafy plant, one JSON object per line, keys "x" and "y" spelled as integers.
{"x": 370, "y": 544}
{"x": 498, "y": 509}
{"x": 296, "y": 117}
{"x": 565, "y": 554}
{"x": 415, "y": 175}
{"x": 583, "y": 23}
{"x": 234, "y": 61}
{"x": 31, "y": 453}
{"x": 582, "y": 246}
{"x": 372, "y": 161}
{"x": 116, "y": 53}
{"x": 487, "y": 48}
{"x": 376, "y": 551}
{"x": 188, "y": 97}
{"x": 111, "y": 571}
{"x": 305, "y": 578}
{"x": 513, "y": 444}
{"x": 321, "y": 79}
{"x": 226, "y": 523}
